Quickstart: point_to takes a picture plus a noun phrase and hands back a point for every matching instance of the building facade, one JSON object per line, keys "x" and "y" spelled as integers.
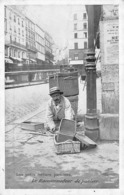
{"x": 30, "y": 41}
{"x": 25, "y": 41}
{"x": 40, "y": 44}
{"x": 15, "y": 35}
{"x": 78, "y": 37}
{"x": 48, "y": 49}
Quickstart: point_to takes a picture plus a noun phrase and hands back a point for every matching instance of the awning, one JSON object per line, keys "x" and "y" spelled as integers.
{"x": 24, "y": 58}
{"x": 33, "y": 60}
{"x": 19, "y": 59}
{"x": 8, "y": 60}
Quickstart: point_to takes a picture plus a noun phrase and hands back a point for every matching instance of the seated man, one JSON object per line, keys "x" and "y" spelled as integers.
{"x": 58, "y": 107}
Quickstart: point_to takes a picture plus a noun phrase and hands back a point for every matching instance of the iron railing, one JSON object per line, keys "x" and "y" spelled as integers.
{"x": 25, "y": 78}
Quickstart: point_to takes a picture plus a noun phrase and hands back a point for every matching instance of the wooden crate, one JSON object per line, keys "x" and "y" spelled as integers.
{"x": 32, "y": 126}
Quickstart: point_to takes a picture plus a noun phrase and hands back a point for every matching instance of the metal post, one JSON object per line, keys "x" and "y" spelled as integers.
{"x": 91, "y": 119}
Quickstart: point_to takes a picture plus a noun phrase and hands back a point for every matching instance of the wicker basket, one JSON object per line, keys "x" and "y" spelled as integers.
{"x": 66, "y": 81}
{"x": 67, "y": 147}
{"x": 64, "y": 140}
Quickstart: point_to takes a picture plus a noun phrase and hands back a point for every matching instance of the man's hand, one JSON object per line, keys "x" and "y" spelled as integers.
{"x": 53, "y": 129}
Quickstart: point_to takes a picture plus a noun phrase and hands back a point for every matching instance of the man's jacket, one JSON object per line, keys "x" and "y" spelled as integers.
{"x": 56, "y": 113}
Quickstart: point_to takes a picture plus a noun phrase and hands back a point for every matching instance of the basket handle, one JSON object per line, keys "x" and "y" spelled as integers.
{"x": 69, "y": 140}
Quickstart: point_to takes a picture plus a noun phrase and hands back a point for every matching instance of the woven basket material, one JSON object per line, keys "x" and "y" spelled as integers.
{"x": 67, "y": 82}
{"x": 68, "y": 146}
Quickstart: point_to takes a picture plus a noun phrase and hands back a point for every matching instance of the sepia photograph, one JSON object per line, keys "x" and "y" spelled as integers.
{"x": 61, "y": 96}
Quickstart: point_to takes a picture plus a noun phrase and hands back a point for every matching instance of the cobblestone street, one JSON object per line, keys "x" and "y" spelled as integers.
{"x": 21, "y": 101}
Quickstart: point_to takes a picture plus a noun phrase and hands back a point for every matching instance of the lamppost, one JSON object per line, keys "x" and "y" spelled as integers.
{"x": 91, "y": 118}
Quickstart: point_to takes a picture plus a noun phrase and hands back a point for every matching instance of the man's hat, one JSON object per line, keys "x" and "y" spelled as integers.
{"x": 55, "y": 90}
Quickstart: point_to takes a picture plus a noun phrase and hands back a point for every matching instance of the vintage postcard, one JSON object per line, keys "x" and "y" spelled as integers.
{"x": 61, "y": 77}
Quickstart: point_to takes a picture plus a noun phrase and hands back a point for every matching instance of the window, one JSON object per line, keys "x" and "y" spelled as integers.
{"x": 10, "y": 38}
{"x": 14, "y": 53}
{"x": 5, "y": 26}
{"x": 19, "y": 54}
{"x": 14, "y": 29}
{"x": 10, "y": 15}
{"x": 10, "y": 27}
{"x": 22, "y": 23}
{"x": 6, "y": 51}
{"x": 75, "y": 45}
{"x": 23, "y": 54}
{"x": 85, "y": 34}
{"x": 18, "y": 21}
{"x": 84, "y": 16}
{"x": 85, "y": 45}
{"x": 9, "y": 51}
{"x": 85, "y": 25}
{"x": 31, "y": 26}
{"x": 75, "y": 35}
{"x": 22, "y": 33}
{"x": 19, "y": 31}
{"x": 5, "y": 11}
{"x": 15, "y": 39}
{"x": 75, "y": 26}
{"x": 14, "y": 18}
{"x": 26, "y": 23}
{"x": 76, "y": 56}
{"x": 75, "y": 16}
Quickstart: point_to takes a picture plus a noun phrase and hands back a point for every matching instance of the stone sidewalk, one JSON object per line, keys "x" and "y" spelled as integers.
{"x": 34, "y": 163}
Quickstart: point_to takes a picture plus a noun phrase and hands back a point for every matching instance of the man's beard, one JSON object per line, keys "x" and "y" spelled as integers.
{"x": 57, "y": 101}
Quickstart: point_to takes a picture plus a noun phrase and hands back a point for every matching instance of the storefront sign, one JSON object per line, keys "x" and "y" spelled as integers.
{"x": 110, "y": 41}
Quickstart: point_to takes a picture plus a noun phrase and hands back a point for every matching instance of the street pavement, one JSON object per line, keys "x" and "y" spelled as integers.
{"x": 34, "y": 163}
{"x": 22, "y": 101}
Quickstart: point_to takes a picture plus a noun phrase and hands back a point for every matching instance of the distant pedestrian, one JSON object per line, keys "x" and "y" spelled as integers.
{"x": 58, "y": 107}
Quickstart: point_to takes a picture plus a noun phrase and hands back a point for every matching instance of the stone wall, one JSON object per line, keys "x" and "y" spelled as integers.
{"x": 109, "y": 66}
{"x": 109, "y": 46}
